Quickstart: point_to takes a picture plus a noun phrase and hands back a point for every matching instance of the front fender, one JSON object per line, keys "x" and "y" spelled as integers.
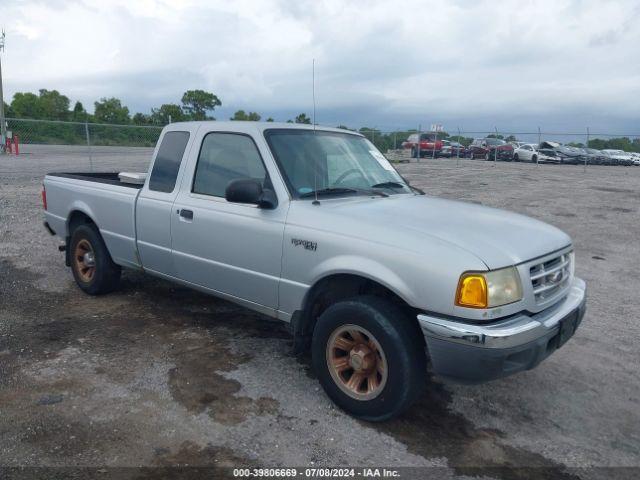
{"x": 367, "y": 268}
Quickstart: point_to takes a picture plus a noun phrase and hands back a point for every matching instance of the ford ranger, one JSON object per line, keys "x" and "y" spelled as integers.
{"x": 313, "y": 226}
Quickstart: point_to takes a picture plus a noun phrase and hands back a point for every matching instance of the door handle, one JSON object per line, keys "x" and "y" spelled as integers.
{"x": 186, "y": 214}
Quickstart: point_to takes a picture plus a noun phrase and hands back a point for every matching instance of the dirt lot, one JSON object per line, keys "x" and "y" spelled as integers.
{"x": 158, "y": 375}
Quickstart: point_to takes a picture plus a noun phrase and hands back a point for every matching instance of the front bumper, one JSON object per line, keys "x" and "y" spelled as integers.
{"x": 474, "y": 353}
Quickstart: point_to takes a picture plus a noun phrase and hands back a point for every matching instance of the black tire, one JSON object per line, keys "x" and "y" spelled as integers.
{"x": 401, "y": 342}
{"x": 106, "y": 274}
{"x": 515, "y": 157}
{"x": 534, "y": 159}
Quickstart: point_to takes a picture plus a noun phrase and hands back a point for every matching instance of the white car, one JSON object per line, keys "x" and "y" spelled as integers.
{"x": 528, "y": 152}
{"x": 635, "y": 156}
{"x": 619, "y": 157}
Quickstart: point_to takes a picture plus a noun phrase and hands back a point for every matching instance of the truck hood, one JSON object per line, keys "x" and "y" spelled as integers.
{"x": 497, "y": 237}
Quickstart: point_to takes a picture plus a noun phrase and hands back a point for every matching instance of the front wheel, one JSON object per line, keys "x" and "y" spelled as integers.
{"x": 369, "y": 357}
{"x": 92, "y": 266}
{"x": 515, "y": 157}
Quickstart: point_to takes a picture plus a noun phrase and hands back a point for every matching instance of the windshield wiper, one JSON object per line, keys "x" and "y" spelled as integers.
{"x": 340, "y": 190}
{"x": 397, "y": 185}
{"x": 388, "y": 185}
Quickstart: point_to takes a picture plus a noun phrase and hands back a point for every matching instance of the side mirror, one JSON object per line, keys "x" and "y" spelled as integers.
{"x": 248, "y": 190}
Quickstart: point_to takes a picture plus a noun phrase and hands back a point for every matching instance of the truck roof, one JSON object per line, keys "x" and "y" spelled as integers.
{"x": 252, "y": 127}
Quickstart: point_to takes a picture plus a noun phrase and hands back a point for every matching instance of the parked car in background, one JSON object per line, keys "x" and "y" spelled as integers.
{"x": 558, "y": 153}
{"x": 525, "y": 153}
{"x": 618, "y": 157}
{"x": 528, "y": 152}
{"x": 595, "y": 157}
{"x": 452, "y": 149}
{"x": 517, "y": 145}
{"x": 457, "y": 149}
{"x": 490, "y": 149}
{"x": 428, "y": 146}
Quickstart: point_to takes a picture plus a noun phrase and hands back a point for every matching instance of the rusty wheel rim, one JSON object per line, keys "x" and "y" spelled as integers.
{"x": 85, "y": 260}
{"x": 357, "y": 362}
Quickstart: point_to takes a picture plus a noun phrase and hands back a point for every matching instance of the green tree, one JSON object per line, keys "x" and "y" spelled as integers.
{"x": 54, "y": 106}
{"x": 270, "y": 119}
{"x": 26, "y": 105}
{"x": 619, "y": 143}
{"x": 511, "y": 138}
{"x": 241, "y": 115}
{"x": 8, "y": 111}
{"x": 111, "y": 110}
{"x": 166, "y": 113}
{"x": 196, "y": 104}
{"x": 79, "y": 114}
{"x": 466, "y": 141}
{"x": 141, "y": 119}
{"x": 302, "y": 118}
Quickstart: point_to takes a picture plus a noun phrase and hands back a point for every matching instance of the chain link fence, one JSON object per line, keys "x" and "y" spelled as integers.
{"x": 91, "y": 139}
{"x": 560, "y": 147}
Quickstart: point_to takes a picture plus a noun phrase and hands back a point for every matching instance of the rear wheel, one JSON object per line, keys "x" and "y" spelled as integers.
{"x": 369, "y": 358}
{"x": 515, "y": 157}
{"x": 91, "y": 264}
{"x": 534, "y": 159}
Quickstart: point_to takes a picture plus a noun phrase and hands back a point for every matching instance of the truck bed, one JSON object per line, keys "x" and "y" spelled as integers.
{"x": 102, "y": 197}
{"x": 110, "y": 178}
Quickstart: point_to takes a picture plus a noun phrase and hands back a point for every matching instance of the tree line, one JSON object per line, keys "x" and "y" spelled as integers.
{"x": 194, "y": 105}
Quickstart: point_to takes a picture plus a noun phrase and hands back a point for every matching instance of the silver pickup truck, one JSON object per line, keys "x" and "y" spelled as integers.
{"x": 316, "y": 228}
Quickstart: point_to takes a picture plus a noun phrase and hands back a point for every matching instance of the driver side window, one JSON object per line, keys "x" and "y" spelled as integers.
{"x": 225, "y": 157}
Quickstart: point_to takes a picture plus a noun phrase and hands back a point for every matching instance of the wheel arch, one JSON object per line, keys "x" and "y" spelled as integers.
{"x": 335, "y": 287}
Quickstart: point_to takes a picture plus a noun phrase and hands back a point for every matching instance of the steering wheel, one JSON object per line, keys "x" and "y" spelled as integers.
{"x": 349, "y": 172}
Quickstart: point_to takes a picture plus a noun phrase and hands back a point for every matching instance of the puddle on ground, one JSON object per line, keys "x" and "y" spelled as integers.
{"x": 196, "y": 383}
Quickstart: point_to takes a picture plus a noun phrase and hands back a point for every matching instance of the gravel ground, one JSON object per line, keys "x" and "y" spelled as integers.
{"x": 157, "y": 375}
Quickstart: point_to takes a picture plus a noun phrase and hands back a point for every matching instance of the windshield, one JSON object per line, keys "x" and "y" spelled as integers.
{"x": 332, "y": 162}
{"x": 494, "y": 141}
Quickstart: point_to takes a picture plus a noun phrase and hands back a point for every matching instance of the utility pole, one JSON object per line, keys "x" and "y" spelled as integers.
{"x": 3, "y": 124}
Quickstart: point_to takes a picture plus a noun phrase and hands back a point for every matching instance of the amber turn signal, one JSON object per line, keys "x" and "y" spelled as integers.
{"x": 472, "y": 291}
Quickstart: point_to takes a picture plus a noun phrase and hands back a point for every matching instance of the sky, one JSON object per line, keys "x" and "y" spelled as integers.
{"x": 514, "y": 65}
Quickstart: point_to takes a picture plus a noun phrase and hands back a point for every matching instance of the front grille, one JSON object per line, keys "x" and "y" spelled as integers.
{"x": 551, "y": 278}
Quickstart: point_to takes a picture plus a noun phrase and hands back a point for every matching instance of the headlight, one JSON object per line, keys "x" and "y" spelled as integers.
{"x": 489, "y": 289}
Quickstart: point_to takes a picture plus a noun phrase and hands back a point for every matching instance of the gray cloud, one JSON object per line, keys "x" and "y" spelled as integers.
{"x": 378, "y": 62}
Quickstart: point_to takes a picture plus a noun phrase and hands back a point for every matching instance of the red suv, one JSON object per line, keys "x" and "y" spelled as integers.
{"x": 430, "y": 146}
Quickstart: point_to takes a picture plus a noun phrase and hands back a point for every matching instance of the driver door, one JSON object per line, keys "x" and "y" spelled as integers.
{"x": 230, "y": 248}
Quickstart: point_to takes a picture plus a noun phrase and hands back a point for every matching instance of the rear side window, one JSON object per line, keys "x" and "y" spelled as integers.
{"x": 167, "y": 164}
